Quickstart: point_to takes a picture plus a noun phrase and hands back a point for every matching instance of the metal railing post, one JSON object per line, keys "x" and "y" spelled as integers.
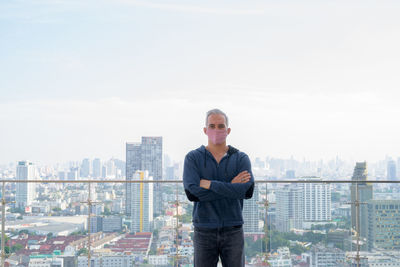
{"x": 90, "y": 203}
{"x": 3, "y": 222}
{"x": 266, "y": 204}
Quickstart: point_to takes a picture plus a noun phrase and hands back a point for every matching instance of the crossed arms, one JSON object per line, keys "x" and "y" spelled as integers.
{"x": 200, "y": 189}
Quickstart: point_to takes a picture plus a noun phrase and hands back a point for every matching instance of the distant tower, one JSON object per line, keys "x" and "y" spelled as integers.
{"x": 391, "y": 170}
{"x": 365, "y": 193}
{"x": 25, "y": 192}
{"x": 96, "y": 168}
{"x": 142, "y": 203}
{"x": 251, "y": 215}
{"x": 85, "y": 168}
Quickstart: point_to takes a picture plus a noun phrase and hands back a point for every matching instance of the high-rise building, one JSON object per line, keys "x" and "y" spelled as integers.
{"x": 383, "y": 224}
{"x": 85, "y": 168}
{"x": 133, "y": 163}
{"x": 96, "y": 168}
{"x": 364, "y": 193}
{"x": 142, "y": 203}
{"x": 251, "y": 215}
{"x": 391, "y": 170}
{"x": 317, "y": 201}
{"x": 146, "y": 156}
{"x": 25, "y": 192}
{"x": 152, "y": 162}
{"x": 289, "y": 208}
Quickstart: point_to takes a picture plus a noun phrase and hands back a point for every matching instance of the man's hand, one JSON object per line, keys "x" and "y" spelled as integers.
{"x": 205, "y": 184}
{"x": 242, "y": 178}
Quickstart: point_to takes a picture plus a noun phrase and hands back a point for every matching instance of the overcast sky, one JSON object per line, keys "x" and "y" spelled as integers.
{"x": 311, "y": 79}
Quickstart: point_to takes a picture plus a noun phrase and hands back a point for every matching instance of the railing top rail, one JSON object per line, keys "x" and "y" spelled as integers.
{"x": 308, "y": 181}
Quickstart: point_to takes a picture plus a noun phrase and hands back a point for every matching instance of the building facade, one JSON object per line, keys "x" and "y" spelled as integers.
{"x": 317, "y": 202}
{"x": 289, "y": 208}
{"x": 251, "y": 214}
{"x": 383, "y": 224}
{"x": 142, "y": 203}
{"x": 25, "y": 192}
{"x": 146, "y": 156}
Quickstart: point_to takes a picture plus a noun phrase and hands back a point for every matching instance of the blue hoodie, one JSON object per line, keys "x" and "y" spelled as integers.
{"x": 222, "y": 204}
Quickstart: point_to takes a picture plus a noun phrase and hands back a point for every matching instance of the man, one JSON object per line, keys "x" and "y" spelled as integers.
{"x": 217, "y": 178}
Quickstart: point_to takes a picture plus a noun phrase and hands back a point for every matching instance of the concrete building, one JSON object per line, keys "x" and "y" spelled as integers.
{"x": 142, "y": 203}
{"x": 25, "y": 192}
{"x": 383, "y": 224}
{"x": 112, "y": 224}
{"x": 327, "y": 257}
{"x": 109, "y": 259}
{"x": 251, "y": 214}
{"x": 158, "y": 260}
{"x": 96, "y": 224}
{"x": 289, "y": 208}
{"x": 317, "y": 201}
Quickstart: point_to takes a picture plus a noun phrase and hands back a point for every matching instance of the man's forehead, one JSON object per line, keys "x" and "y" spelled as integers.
{"x": 216, "y": 119}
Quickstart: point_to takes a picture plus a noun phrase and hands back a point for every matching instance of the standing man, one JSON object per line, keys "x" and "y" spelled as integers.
{"x": 217, "y": 178}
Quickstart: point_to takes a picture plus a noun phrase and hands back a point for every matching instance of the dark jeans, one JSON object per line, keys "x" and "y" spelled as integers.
{"x": 226, "y": 243}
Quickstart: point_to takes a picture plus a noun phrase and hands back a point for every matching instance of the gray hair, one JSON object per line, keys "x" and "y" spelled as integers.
{"x": 216, "y": 111}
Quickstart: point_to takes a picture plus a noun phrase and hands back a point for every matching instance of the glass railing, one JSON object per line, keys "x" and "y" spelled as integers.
{"x": 304, "y": 222}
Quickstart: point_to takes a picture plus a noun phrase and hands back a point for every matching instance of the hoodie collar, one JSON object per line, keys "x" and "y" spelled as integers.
{"x": 231, "y": 150}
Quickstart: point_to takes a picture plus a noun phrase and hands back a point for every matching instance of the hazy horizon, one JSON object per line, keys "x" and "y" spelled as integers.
{"x": 79, "y": 79}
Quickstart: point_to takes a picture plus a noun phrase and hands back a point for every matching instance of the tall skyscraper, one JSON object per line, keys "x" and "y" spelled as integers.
{"x": 152, "y": 161}
{"x": 25, "y": 192}
{"x": 85, "y": 168}
{"x": 146, "y": 156}
{"x": 317, "y": 201}
{"x": 391, "y": 170}
{"x": 96, "y": 168}
{"x": 133, "y": 163}
{"x": 251, "y": 215}
{"x": 365, "y": 193}
{"x": 289, "y": 208}
{"x": 142, "y": 203}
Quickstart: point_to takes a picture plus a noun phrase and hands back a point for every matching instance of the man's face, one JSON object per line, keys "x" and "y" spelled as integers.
{"x": 216, "y": 121}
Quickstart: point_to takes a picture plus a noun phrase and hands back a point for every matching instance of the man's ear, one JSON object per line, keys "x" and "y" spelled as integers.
{"x": 229, "y": 130}
{"x": 205, "y": 130}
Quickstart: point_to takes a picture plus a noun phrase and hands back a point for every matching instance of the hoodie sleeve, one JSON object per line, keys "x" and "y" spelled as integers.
{"x": 238, "y": 191}
{"x": 191, "y": 183}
